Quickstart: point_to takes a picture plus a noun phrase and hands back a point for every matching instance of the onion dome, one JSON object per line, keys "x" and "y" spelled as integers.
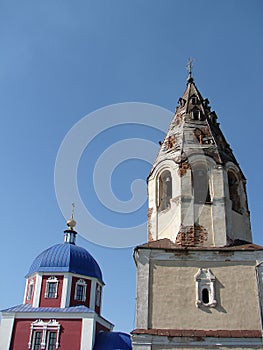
{"x": 67, "y": 257}
{"x": 112, "y": 341}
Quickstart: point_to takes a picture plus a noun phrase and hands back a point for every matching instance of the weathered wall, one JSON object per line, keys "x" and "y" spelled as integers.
{"x": 173, "y": 296}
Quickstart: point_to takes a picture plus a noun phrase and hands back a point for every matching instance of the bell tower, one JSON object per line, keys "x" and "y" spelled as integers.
{"x": 199, "y": 276}
{"x": 197, "y": 191}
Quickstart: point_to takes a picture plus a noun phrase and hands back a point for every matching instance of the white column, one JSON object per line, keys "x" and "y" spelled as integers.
{"x": 25, "y": 293}
{"x": 6, "y": 329}
{"x": 66, "y": 290}
{"x": 92, "y": 294}
{"x": 37, "y": 291}
{"x": 87, "y": 334}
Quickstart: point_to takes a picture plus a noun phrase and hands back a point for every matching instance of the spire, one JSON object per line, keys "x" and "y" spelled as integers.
{"x": 70, "y": 234}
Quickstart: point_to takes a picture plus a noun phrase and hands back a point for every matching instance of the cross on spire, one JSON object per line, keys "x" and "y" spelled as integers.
{"x": 189, "y": 67}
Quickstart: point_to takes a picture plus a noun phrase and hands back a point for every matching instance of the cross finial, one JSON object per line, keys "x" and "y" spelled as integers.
{"x": 189, "y": 67}
{"x": 71, "y": 222}
{"x": 72, "y": 210}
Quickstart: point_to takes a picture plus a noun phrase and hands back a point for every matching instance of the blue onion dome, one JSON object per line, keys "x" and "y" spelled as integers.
{"x": 112, "y": 341}
{"x": 66, "y": 257}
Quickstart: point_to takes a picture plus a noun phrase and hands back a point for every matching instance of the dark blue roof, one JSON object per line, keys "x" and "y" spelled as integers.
{"x": 112, "y": 341}
{"x": 66, "y": 257}
{"x": 30, "y": 308}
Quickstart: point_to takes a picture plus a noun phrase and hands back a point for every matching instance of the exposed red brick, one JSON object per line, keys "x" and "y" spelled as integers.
{"x": 183, "y": 167}
{"x": 191, "y": 236}
{"x": 175, "y": 333}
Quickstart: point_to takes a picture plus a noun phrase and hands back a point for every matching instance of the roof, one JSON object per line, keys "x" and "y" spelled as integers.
{"x": 167, "y": 244}
{"x": 187, "y": 136}
{"x": 66, "y": 257}
{"x": 29, "y": 308}
{"x": 226, "y": 333}
{"x": 112, "y": 341}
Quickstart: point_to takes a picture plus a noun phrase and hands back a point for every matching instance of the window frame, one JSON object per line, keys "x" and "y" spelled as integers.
{"x": 52, "y": 280}
{"x": 30, "y": 290}
{"x": 83, "y": 284}
{"x": 204, "y": 279}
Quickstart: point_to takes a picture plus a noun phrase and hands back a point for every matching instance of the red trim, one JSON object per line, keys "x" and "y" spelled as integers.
{"x": 200, "y": 333}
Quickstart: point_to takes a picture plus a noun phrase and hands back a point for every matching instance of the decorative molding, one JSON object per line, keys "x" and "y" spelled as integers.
{"x": 44, "y": 327}
{"x": 205, "y": 288}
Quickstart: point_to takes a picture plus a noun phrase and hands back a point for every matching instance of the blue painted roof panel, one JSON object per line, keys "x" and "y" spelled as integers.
{"x": 112, "y": 341}
{"x": 29, "y": 308}
{"x": 66, "y": 257}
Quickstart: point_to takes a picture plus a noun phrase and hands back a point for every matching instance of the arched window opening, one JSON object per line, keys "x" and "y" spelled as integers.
{"x": 195, "y": 114}
{"x": 201, "y": 185}
{"x": 205, "y": 296}
{"x": 205, "y": 288}
{"x": 194, "y": 100}
{"x": 165, "y": 190}
{"x": 233, "y": 191}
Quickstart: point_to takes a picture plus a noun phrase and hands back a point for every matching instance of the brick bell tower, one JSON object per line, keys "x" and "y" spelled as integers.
{"x": 199, "y": 277}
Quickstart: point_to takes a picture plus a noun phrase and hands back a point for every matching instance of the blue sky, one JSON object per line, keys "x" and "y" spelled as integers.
{"x": 61, "y": 60}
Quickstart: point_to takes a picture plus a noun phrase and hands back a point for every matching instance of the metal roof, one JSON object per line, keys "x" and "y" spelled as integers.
{"x": 66, "y": 257}
{"x": 112, "y": 341}
{"x": 30, "y": 308}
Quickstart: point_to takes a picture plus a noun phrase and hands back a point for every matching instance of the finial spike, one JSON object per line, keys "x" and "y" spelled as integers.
{"x": 189, "y": 67}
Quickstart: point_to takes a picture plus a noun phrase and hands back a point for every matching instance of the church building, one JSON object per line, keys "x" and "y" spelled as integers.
{"x": 62, "y": 304}
{"x": 199, "y": 277}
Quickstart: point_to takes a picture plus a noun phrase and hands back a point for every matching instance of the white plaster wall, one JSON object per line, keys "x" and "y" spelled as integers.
{"x": 6, "y": 329}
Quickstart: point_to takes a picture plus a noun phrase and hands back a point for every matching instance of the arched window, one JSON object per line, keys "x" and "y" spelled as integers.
{"x": 196, "y": 114}
{"x": 30, "y": 289}
{"x": 233, "y": 191}
{"x": 80, "y": 290}
{"x": 51, "y": 287}
{"x": 201, "y": 186}
{"x": 165, "y": 190}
